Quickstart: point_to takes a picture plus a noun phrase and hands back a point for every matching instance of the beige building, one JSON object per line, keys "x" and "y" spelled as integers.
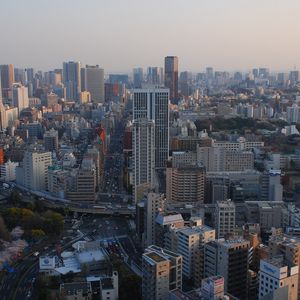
{"x": 185, "y": 184}
{"x": 76, "y": 291}
{"x": 277, "y": 280}
{"x": 287, "y": 246}
{"x": 162, "y": 272}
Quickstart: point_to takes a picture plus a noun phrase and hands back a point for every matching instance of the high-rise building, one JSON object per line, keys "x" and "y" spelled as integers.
{"x": 72, "y": 79}
{"x": 153, "y": 104}
{"x": 185, "y": 184}
{"x": 51, "y": 140}
{"x": 277, "y": 279}
{"x": 7, "y": 80}
{"x": 155, "y": 76}
{"x": 94, "y": 82}
{"x": 138, "y": 77}
{"x": 162, "y": 272}
{"x": 143, "y": 157}
{"x": 224, "y": 218}
{"x": 230, "y": 259}
{"x": 33, "y": 171}
{"x": 293, "y": 113}
{"x": 154, "y": 204}
{"x": 171, "y": 77}
{"x": 20, "y": 96}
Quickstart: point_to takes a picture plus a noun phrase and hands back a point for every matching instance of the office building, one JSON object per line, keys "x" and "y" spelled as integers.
{"x": 171, "y": 77}
{"x": 271, "y": 188}
{"x": 8, "y": 171}
{"x": 218, "y": 159}
{"x": 52, "y": 100}
{"x": 72, "y": 79}
{"x": 229, "y": 259}
{"x": 51, "y": 140}
{"x": 153, "y": 104}
{"x": 138, "y": 77}
{"x": 277, "y": 280}
{"x": 155, "y": 76}
{"x": 186, "y": 184}
{"x": 7, "y": 80}
{"x": 82, "y": 185}
{"x": 187, "y": 241}
{"x": 154, "y": 204}
{"x": 287, "y": 246}
{"x": 33, "y": 171}
{"x": 94, "y": 83}
{"x": 162, "y": 272}
{"x": 20, "y": 96}
{"x": 143, "y": 157}
{"x": 225, "y": 218}
{"x": 293, "y": 114}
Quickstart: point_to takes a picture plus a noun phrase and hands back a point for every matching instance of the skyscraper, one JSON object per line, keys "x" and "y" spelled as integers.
{"x": 138, "y": 77}
{"x": 155, "y": 75}
{"x": 143, "y": 157}
{"x": 153, "y": 104}
{"x": 94, "y": 82}
{"x": 7, "y": 79}
{"x": 20, "y": 96}
{"x": 171, "y": 77}
{"x": 71, "y": 79}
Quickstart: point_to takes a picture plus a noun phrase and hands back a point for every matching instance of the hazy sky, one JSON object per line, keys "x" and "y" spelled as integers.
{"x": 122, "y": 34}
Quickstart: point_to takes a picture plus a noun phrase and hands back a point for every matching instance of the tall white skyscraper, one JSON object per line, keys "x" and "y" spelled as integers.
{"x": 143, "y": 157}
{"x": 20, "y": 96}
{"x": 72, "y": 79}
{"x": 153, "y": 104}
{"x": 94, "y": 82}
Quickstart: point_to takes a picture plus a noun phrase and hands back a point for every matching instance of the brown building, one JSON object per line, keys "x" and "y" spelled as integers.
{"x": 7, "y": 79}
{"x": 171, "y": 77}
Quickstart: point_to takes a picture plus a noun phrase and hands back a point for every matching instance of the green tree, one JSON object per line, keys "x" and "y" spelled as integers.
{"x": 4, "y": 233}
{"x": 15, "y": 197}
{"x": 37, "y": 233}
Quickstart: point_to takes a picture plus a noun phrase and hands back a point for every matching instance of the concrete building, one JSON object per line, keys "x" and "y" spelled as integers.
{"x": 138, "y": 77}
{"x": 277, "y": 280}
{"x": 94, "y": 83}
{"x": 224, "y": 218}
{"x": 218, "y": 159}
{"x": 51, "y": 140}
{"x": 271, "y": 188}
{"x": 154, "y": 204}
{"x": 164, "y": 222}
{"x": 187, "y": 241}
{"x": 153, "y": 104}
{"x": 228, "y": 258}
{"x": 20, "y": 96}
{"x": 8, "y": 171}
{"x": 180, "y": 158}
{"x": 33, "y": 171}
{"x": 185, "y": 184}
{"x": 287, "y": 246}
{"x": 57, "y": 181}
{"x": 293, "y": 113}
{"x": 76, "y": 291}
{"x": 162, "y": 272}
{"x": 143, "y": 157}
{"x": 242, "y": 144}
{"x": 171, "y": 77}
{"x": 82, "y": 186}
{"x": 72, "y": 79}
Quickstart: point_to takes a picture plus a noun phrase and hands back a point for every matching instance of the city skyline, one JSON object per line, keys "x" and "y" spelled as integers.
{"x": 119, "y": 35}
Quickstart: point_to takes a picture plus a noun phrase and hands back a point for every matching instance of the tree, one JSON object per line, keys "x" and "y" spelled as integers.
{"x": 4, "y": 233}
{"x": 15, "y": 198}
{"x": 54, "y": 223}
{"x": 37, "y": 234}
